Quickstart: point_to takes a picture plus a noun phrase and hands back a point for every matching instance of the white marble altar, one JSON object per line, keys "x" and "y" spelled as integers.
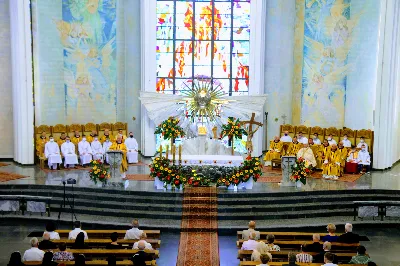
{"x": 217, "y": 160}
{"x": 202, "y": 145}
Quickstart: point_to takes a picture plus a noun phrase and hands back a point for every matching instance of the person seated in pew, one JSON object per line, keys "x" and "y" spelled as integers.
{"x": 34, "y": 253}
{"x": 15, "y": 259}
{"x": 143, "y": 237}
{"x": 329, "y": 259}
{"x": 77, "y": 229}
{"x": 50, "y": 229}
{"x": 250, "y": 244}
{"x": 270, "y": 243}
{"x": 364, "y": 160}
{"x": 331, "y": 236}
{"x": 134, "y": 233}
{"x": 260, "y": 249}
{"x": 80, "y": 260}
{"x": 286, "y": 137}
{"x": 85, "y": 151}
{"x": 48, "y": 259}
{"x": 68, "y": 151}
{"x": 315, "y": 246}
{"x": 319, "y": 258}
{"x": 265, "y": 258}
{"x": 114, "y": 244}
{"x": 80, "y": 242}
{"x": 291, "y": 259}
{"x": 46, "y": 243}
{"x": 349, "y": 237}
{"x": 140, "y": 258}
{"x": 62, "y": 139}
{"x": 316, "y": 140}
{"x": 63, "y": 255}
{"x": 361, "y": 257}
{"x": 252, "y": 227}
{"x": 362, "y": 142}
{"x": 274, "y": 152}
{"x": 304, "y": 257}
{"x": 52, "y": 153}
{"x": 132, "y": 146}
{"x": 331, "y": 141}
{"x": 112, "y": 260}
{"x": 97, "y": 149}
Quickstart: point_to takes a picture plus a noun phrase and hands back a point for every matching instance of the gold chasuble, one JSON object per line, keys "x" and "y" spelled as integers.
{"x": 61, "y": 141}
{"x": 90, "y": 138}
{"x": 294, "y": 149}
{"x": 102, "y": 139}
{"x": 332, "y": 168}
{"x": 121, "y": 147}
{"x": 274, "y": 152}
{"x": 321, "y": 155}
{"x": 343, "y": 158}
{"x": 40, "y": 143}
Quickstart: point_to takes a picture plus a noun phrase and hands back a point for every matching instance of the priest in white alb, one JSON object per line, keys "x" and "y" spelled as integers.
{"x": 85, "y": 151}
{"x": 68, "y": 151}
{"x": 106, "y": 146}
{"x": 307, "y": 154}
{"x": 286, "y": 137}
{"x": 52, "y": 153}
{"x": 132, "y": 146}
{"x": 97, "y": 149}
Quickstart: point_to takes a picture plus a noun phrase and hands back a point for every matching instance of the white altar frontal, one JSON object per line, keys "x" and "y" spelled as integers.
{"x": 216, "y": 160}
{"x": 203, "y": 145}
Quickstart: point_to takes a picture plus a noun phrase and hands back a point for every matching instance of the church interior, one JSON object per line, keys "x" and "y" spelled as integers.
{"x": 200, "y": 132}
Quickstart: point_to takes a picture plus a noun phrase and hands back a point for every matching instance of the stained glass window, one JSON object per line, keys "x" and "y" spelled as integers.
{"x": 203, "y": 38}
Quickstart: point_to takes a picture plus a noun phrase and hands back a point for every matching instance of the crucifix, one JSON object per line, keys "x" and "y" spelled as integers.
{"x": 250, "y": 132}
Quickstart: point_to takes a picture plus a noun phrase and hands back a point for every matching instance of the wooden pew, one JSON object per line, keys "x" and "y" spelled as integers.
{"x": 295, "y": 244}
{"x": 246, "y": 263}
{"x": 151, "y": 234}
{"x": 293, "y": 235}
{"x": 98, "y": 254}
{"x": 283, "y": 255}
{"x": 96, "y": 263}
{"x": 101, "y": 243}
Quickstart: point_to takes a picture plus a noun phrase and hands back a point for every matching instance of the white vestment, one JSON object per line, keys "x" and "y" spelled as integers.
{"x": 106, "y": 147}
{"x": 52, "y": 153}
{"x": 303, "y": 140}
{"x": 85, "y": 152}
{"x": 351, "y": 158}
{"x": 331, "y": 142}
{"x": 286, "y": 138}
{"x": 97, "y": 150}
{"x": 364, "y": 158}
{"x": 362, "y": 143}
{"x": 308, "y": 155}
{"x": 317, "y": 141}
{"x": 346, "y": 143}
{"x": 68, "y": 151}
{"x": 132, "y": 147}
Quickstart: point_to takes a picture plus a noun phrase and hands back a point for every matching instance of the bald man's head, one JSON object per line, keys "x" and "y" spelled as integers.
{"x": 252, "y": 224}
{"x": 141, "y": 245}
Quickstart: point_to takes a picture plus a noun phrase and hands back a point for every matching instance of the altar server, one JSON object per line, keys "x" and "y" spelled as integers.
{"x": 97, "y": 149}
{"x": 307, "y": 154}
{"x": 301, "y": 138}
{"x": 274, "y": 151}
{"x": 352, "y": 156}
{"x": 286, "y": 137}
{"x": 106, "y": 146}
{"x": 364, "y": 159}
{"x": 346, "y": 141}
{"x": 132, "y": 146}
{"x": 362, "y": 142}
{"x": 120, "y": 146}
{"x": 68, "y": 151}
{"x": 85, "y": 151}
{"x": 52, "y": 153}
{"x": 331, "y": 141}
{"x": 316, "y": 140}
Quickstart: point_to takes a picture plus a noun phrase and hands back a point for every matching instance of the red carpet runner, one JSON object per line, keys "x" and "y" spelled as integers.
{"x": 198, "y": 244}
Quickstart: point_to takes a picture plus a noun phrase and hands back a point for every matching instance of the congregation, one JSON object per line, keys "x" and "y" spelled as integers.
{"x": 333, "y": 158}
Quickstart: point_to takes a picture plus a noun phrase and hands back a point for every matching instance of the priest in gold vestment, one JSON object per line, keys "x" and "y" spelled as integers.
{"x": 62, "y": 139}
{"x": 331, "y": 165}
{"x": 294, "y": 147}
{"x": 322, "y": 152}
{"x": 119, "y": 145}
{"x": 40, "y": 143}
{"x": 343, "y": 157}
{"x": 274, "y": 152}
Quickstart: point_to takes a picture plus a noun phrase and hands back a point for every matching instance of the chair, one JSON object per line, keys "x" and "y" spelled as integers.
{"x": 88, "y": 128}
{"x": 102, "y": 127}
{"x": 368, "y": 138}
{"x": 119, "y": 125}
{"x": 289, "y": 128}
{"x": 40, "y": 153}
{"x": 334, "y": 131}
{"x": 57, "y": 130}
{"x": 74, "y": 127}
{"x": 304, "y": 130}
{"x": 319, "y": 131}
{"x": 351, "y": 135}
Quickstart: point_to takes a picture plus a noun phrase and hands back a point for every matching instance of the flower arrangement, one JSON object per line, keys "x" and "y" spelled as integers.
{"x": 251, "y": 167}
{"x": 159, "y": 168}
{"x": 228, "y": 180}
{"x": 198, "y": 179}
{"x": 98, "y": 171}
{"x": 170, "y": 129}
{"x": 301, "y": 170}
{"x": 233, "y": 129}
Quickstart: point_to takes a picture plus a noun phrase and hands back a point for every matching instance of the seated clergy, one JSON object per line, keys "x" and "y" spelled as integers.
{"x": 286, "y": 137}
{"x": 85, "y": 151}
{"x": 362, "y": 142}
{"x": 91, "y": 136}
{"x": 132, "y": 146}
{"x": 314, "y": 147}
{"x": 364, "y": 159}
{"x": 52, "y": 153}
{"x": 68, "y": 151}
{"x": 322, "y": 153}
{"x": 331, "y": 165}
{"x": 343, "y": 157}
{"x": 316, "y": 140}
{"x": 301, "y": 138}
{"x": 40, "y": 143}
{"x": 331, "y": 141}
{"x": 346, "y": 141}
{"x": 352, "y": 156}
{"x": 274, "y": 151}
{"x": 307, "y": 154}
{"x": 104, "y": 137}
{"x": 76, "y": 139}
{"x": 120, "y": 146}
{"x": 97, "y": 149}
{"x": 120, "y": 134}
{"x": 62, "y": 139}
{"x": 294, "y": 147}
{"x": 106, "y": 146}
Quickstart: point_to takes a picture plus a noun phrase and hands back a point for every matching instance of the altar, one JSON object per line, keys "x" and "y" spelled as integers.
{"x": 216, "y": 160}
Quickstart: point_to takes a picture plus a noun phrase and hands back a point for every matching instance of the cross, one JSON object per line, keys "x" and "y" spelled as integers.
{"x": 250, "y": 132}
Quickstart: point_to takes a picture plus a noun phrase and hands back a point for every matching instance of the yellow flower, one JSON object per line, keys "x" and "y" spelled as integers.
{"x": 161, "y": 168}
{"x": 246, "y": 171}
{"x": 156, "y": 165}
{"x": 157, "y": 159}
{"x": 95, "y": 167}
{"x": 237, "y": 174}
{"x": 257, "y": 163}
{"x": 251, "y": 171}
{"x": 241, "y": 173}
{"x": 169, "y": 171}
{"x": 223, "y": 180}
{"x": 184, "y": 179}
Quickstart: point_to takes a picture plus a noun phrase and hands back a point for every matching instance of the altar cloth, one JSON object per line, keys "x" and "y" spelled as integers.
{"x": 217, "y": 160}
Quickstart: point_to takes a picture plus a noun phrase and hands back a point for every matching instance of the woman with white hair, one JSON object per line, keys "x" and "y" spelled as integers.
{"x": 259, "y": 251}
{"x": 349, "y": 236}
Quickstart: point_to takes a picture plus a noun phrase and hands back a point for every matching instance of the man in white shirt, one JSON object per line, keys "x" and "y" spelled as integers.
{"x": 34, "y": 253}
{"x": 316, "y": 140}
{"x": 68, "y": 151}
{"x": 106, "y": 146}
{"x": 52, "y": 153}
{"x": 331, "y": 141}
{"x": 362, "y": 142}
{"x": 328, "y": 259}
{"x": 134, "y": 233}
{"x": 286, "y": 137}
{"x": 301, "y": 139}
{"x": 143, "y": 238}
{"x": 364, "y": 159}
{"x": 346, "y": 141}
{"x": 85, "y": 151}
{"x": 132, "y": 146}
{"x": 97, "y": 149}
{"x": 77, "y": 229}
{"x": 252, "y": 227}
{"x": 250, "y": 244}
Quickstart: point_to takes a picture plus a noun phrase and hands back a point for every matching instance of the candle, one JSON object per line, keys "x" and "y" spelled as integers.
{"x": 180, "y": 152}
{"x": 166, "y": 153}
{"x": 160, "y": 151}
{"x": 173, "y": 151}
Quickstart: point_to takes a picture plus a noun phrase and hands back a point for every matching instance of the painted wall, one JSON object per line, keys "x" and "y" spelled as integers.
{"x": 6, "y": 115}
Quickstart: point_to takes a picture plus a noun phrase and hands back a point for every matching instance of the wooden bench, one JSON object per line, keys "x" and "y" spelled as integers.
{"x": 151, "y": 234}
{"x": 246, "y": 263}
{"x": 96, "y": 263}
{"x": 97, "y": 254}
{"x": 292, "y": 235}
{"x": 101, "y": 243}
{"x": 295, "y": 244}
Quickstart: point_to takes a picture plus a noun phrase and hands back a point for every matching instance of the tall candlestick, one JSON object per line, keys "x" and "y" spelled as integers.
{"x": 173, "y": 151}
{"x": 180, "y": 153}
{"x": 166, "y": 153}
{"x": 160, "y": 151}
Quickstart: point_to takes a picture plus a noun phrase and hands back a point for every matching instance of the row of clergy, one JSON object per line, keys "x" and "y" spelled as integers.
{"x": 87, "y": 151}
{"x": 330, "y": 158}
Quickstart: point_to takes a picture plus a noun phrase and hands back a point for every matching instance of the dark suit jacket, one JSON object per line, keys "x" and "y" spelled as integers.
{"x": 47, "y": 244}
{"x": 140, "y": 258}
{"x": 319, "y": 258}
{"x": 349, "y": 237}
{"x": 314, "y": 247}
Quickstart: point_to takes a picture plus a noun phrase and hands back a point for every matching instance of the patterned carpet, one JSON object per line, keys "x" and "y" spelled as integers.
{"x": 4, "y": 164}
{"x": 78, "y": 167}
{"x": 139, "y": 177}
{"x": 198, "y": 243}
{"x": 6, "y": 176}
